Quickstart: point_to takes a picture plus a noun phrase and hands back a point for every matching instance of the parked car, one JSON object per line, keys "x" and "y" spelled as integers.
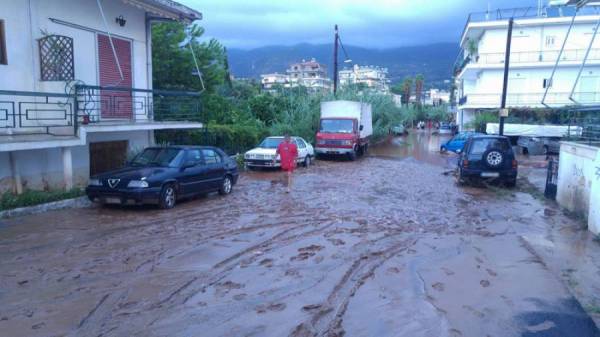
{"x": 162, "y": 175}
{"x": 264, "y": 153}
{"x": 488, "y": 157}
{"x": 446, "y": 129}
{"x": 398, "y": 130}
{"x": 539, "y": 145}
{"x": 457, "y": 142}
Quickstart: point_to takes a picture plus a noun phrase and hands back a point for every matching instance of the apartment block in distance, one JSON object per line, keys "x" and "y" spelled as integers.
{"x": 372, "y": 77}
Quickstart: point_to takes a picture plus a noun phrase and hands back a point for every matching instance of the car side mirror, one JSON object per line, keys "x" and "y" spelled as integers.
{"x": 361, "y": 127}
{"x": 187, "y": 164}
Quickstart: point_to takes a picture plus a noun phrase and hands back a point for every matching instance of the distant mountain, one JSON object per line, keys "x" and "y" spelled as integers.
{"x": 434, "y": 61}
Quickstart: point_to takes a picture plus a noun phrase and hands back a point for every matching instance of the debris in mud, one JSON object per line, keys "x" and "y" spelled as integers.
{"x": 336, "y": 242}
{"x": 266, "y": 263}
{"x": 306, "y": 252}
{"x": 261, "y": 309}
{"x": 438, "y": 286}
{"x": 311, "y": 307}
{"x": 484, "y": 283}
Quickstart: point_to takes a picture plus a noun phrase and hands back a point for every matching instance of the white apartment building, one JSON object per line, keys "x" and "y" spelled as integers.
{"x": 269, "y": 82}
{"x": 536, "y": 42}
{"x": 310, "y": 74}
{"x": 436, "y": 97}
{"x": 76, "y": 90}
{"x": 371, "y": 76}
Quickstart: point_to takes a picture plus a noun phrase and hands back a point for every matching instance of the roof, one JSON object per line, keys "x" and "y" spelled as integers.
{"x": 168, "y": 9}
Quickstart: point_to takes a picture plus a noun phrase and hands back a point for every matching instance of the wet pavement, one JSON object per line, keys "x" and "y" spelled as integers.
{"x": 388, "y": 245}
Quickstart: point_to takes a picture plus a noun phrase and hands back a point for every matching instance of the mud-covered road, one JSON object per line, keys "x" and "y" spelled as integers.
{"x": 388, "y": 245}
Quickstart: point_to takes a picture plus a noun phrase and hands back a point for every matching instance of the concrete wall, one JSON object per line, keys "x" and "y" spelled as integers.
{"x": 26, "y": 19}
{"x": 579, "y": 181}
{"x": 43, "y": 169}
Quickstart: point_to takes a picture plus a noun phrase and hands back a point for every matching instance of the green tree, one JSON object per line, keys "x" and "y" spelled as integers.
{"x": 419, "y": 82}
{"x": 406, "y": 90}
{"x": 173, "y": 62}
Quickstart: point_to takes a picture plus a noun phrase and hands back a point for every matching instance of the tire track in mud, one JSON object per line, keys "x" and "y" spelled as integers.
{"x": 327, "y": 318}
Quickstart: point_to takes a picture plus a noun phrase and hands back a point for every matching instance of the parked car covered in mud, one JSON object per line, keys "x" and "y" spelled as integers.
{"x": 487, "y": 157}
{"x": 162, "y": 175}
{"x": 264, "y": 155}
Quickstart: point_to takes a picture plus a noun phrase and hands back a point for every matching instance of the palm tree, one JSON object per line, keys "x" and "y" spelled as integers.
{"x": 419, "y": 81}
{"x": 406, "y": 90}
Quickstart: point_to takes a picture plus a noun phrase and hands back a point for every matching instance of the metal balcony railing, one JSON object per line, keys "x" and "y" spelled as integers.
{"x": 58, "y": 114}
{"x": 568, "y": 55}
{"x": 493, "y": 100}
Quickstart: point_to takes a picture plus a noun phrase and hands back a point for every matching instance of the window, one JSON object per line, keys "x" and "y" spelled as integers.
{"x": 479, "y": 146}
{"x": 193, "y": 157}
{"x": 3, "y": 57}
{"x": 211, "y": 157}
{"x": 300, "y": 143}
{"x": 550, "y": 40}
{"x": 547, "y": 83}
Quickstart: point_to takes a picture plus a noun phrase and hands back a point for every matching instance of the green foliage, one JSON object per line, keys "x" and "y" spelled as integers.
{"x": 9, "y": 200}
{"x": 173, "y": 63}
{"x": 481, "y": 119}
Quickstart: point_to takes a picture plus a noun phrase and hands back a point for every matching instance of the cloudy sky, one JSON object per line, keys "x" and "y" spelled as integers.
{"x": 369, "y": 23}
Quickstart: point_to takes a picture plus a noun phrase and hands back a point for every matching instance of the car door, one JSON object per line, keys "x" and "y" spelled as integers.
{"x": 215, "y": 170}
{"x": 301, "y": 149}
{"x": 193, "y": 172}
{"x": 309, "y": 149}
{"x": 456, "y": 143}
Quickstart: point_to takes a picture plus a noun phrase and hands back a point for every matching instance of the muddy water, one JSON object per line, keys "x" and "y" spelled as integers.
{"x": 384, "y": 246}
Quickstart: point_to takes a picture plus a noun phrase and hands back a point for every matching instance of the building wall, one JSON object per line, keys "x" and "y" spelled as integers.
{"x": 43, "y": 169}
{"x": 579, "y": 181}
{"x": 25, "y": 21}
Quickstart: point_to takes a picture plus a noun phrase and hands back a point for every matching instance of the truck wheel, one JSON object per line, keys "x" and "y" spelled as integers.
{"x": 352, "y": 156}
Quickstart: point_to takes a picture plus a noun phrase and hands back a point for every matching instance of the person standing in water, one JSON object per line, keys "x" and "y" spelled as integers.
{"x": 288, "y": 153}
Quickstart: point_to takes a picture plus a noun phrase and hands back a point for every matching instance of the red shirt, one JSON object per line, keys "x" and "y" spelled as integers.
{"x": 288, "y": 153}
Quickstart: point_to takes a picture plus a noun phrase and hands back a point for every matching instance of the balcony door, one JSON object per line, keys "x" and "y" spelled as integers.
{"x": 114, "y": 104}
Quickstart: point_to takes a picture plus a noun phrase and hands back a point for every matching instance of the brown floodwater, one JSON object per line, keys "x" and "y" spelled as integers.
{"x": 387, "y": 245}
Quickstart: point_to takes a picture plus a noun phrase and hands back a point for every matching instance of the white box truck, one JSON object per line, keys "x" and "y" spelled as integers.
{"x": 345, "y": 128}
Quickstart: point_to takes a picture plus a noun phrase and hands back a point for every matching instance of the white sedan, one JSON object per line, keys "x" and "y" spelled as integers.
{"x": 264, "y": 153}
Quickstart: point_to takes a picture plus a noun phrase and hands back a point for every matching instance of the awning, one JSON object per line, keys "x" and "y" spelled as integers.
{"x": 167, "y": 9}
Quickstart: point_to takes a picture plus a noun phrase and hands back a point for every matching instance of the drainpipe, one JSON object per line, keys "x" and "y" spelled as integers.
{"x": 16, "y": 174}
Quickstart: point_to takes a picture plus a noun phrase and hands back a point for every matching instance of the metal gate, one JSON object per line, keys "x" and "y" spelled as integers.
{"x": 551, "y": 179}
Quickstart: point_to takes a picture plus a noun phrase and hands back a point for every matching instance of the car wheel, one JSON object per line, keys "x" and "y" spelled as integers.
{"x": 226, "y": 186}
{"x": 168, "y": 197}
{"x": 307, "y": 161}
{"x": 493, "y": 158}
{"x": 443, "y": 149}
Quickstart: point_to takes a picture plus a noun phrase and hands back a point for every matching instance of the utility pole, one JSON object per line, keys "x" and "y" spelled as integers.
{"x": 503, "y": 110}
{"x": 335, "y": 60}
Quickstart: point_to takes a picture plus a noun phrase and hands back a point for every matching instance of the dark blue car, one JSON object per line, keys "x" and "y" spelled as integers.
{"x": 162, "y": 175}
{"x": 488, "y": 157}
{"x": 458, "y": 142}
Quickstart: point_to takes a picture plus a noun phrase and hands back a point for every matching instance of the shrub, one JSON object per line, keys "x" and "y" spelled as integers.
{"x": 9, "y": 200}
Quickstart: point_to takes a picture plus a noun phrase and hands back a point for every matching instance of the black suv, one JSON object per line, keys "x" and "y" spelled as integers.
{"x": 488, "y": 157}
{"x": 161, "y": 175}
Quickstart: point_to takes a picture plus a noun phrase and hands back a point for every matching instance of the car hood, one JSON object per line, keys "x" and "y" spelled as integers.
{"x": 132, "y": 173}
{"x": 262, "y": 150}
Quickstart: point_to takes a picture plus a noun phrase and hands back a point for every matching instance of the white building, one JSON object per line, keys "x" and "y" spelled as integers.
{"x": 372, "y": 77}
{"x": 269, "y": 82}
{"x": 436, "y": 97}
{"x": 54, "y": 136}
{"x": 536, "y": 42}
{"x": 310, "y": 74}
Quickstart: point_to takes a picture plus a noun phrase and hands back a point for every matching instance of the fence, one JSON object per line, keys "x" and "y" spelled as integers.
{"x": 551, "y": 179}
{"x": 584, "y": 127}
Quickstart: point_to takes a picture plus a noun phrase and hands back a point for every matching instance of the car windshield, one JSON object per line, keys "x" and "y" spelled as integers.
{"x": 157, "y": 157}
{"x": 337, "y": 126}
{"x": 270, "y": 143}
{"x": 483, "y": 144}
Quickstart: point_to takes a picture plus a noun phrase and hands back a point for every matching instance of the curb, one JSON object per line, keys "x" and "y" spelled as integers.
{"x": 79, "y": 202}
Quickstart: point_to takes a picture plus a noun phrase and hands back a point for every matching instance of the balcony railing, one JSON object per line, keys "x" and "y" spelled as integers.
{"x": 58, "y": 114}
{"x": 488, "y": 100}
{"x": 568, "y": 55}
{"x": 34, "y": 113}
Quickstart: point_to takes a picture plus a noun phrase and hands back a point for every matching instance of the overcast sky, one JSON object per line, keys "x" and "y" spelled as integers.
{"x": 369, "y": 23}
